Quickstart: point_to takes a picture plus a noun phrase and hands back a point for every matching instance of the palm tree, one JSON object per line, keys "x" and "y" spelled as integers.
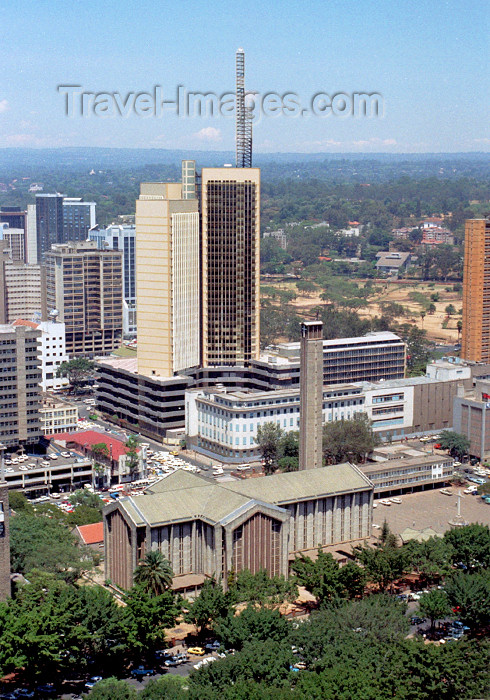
{"x": 154, "y": 574}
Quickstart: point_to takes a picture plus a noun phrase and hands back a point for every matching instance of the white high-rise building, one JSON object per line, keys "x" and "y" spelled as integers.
{"x": 52, "y": 352}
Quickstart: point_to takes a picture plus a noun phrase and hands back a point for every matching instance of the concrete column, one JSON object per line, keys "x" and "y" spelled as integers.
{"x": 311, "y": 395}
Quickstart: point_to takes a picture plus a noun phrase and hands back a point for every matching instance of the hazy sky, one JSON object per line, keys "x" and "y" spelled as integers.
{"x": 428, "y": 59}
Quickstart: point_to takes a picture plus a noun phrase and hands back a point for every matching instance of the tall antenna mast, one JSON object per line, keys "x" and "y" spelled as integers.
{"x": 243, "y": 117}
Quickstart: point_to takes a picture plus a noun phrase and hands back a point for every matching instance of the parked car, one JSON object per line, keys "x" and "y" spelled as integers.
{"x": 172, "y": 661}
{"x": 212, "y": 645}
{"x": 141, "y": 672}
{"x": 196, "y": 651}
{"x": 417, "y": 620}
{"x": 91, "y": 682}
{"x": 47, "y": 690}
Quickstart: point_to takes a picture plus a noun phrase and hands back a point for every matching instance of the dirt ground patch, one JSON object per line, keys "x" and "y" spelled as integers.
{"x": 398, "y": 292}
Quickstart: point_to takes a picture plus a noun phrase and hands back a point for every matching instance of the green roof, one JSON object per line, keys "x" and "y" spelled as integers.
{"x": 182, "y": 496}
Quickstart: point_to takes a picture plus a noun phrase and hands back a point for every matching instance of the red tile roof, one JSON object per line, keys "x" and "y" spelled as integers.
{"x": 91, "y": 534}
{"x": 21, "y": 322}
{"x": 92, "y": 437}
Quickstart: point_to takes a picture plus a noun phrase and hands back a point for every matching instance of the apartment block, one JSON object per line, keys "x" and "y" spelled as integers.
{"x": 230, "y": 265}
{"x": 15, "y": 239}
{"x": 20, "y": 391}
{"x": 167, "y": 280}
{"x": 49, "y": 223}
{"x": 85, "y": 286}
{"x": 475, "y": 338}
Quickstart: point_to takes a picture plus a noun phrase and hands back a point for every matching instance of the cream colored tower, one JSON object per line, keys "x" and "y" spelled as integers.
{"x": 167, "y": 280}
{"x": 230, "y": 265}
{"x": 475, "y": 339}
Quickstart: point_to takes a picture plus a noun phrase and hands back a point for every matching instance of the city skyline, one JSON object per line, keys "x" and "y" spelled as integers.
{"x": 417, "y": 58}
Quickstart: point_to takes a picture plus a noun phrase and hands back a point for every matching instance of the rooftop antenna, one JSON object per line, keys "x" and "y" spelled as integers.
{"x": 243, "y": 117}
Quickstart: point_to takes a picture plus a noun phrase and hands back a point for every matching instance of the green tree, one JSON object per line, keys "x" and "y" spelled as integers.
{"x": 154, "y": 574}
{"x": 457, "y": 443}
{"x": 470, "y": 546}
{"x": 83, "y": 515}
{"x": 320, "y": 577}
{"x": 305, "y": 287}
{"x": 268, "y": 439}
{"x": 382, "y": 565}
{"x": 471, "y": 594}
{"x": 77, "y": 371}
{"x": 83, "y": 497}
{"x": 112, "y": 689}
{"x": 39, "y": 542}
{"x": 431, "y": 559}
{"x": 132, "y": 460}
{"x": 434, "y": 605}
{"x": 350, "y": 440}
{"x": 261, "y": 589}
{"x": 450, "y": 309}
{"x": 19, "y": 503}
{"x": 99, "y": 451}
{"x": 210, "y": 604}
{"x": 257, "y": 624}
{"x": 147, "y": 616}
{"x": 165, "y": 688}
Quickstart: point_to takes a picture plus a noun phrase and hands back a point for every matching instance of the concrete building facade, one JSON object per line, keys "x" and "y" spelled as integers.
{"x": 85, "y": 286}
{"x": 230, "y": 265}
{"x": 49, "y": 223}
{"x": 122, "y": 237}
{"x": 167, "y": 280}
{"x": 475, "y": 337}
{"x": 57, "y": 416}
{"x": 207, "y": 529}
{"x": 52, "y": 352}
{"x": 20, "y": 392}
{"x": 311, "y": 396}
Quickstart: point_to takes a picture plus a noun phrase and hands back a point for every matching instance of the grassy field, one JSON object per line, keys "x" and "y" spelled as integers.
{"x": 124, "y": 351}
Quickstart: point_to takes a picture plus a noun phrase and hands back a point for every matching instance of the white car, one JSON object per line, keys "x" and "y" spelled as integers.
{"x": 53, "y": 456}
{"x": 65, "y": 454}
{"x": 396, "y": 500}
{"x": 385, "y": 502}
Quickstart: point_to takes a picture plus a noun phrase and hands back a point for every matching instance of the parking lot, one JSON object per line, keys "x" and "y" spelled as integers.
{"x": 432, "y": 509}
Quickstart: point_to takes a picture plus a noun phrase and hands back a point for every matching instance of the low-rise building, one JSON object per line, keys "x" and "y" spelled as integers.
{"x": 392, "y": 262}
{"x": 58, "y": 416}
{"x": 208, "y": 529}
{"x": 113, "y": 459}
{"x": 409, "y": 474}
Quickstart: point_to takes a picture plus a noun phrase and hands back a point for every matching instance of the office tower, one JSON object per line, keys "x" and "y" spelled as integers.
{"x": 122, "y": 237}
{"x": 189, "y": 187}
{"x": 22, "y": 289}
{"x": 31, "y": 235}
{"x": 78, "y": 219}
{"x": 311, "y": 395}
{"x": 15, "y": 240}
{"x": 167, "y": 280}
{"x": 49, "y": 222}
{"x": 84, "y": 285}
{"x": 243, "y": 125}
{"x": 230, "y": 265}
{"x": 52, "y": 351}
{"x": 13, "y": 216}
{"x": 475, "y": 343}
{"x": 20, "y": 393}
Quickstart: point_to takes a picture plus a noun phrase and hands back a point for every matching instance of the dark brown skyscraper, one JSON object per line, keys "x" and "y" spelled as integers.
{"x": 230, "y": 265}
{"x": 311, "y": 395}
